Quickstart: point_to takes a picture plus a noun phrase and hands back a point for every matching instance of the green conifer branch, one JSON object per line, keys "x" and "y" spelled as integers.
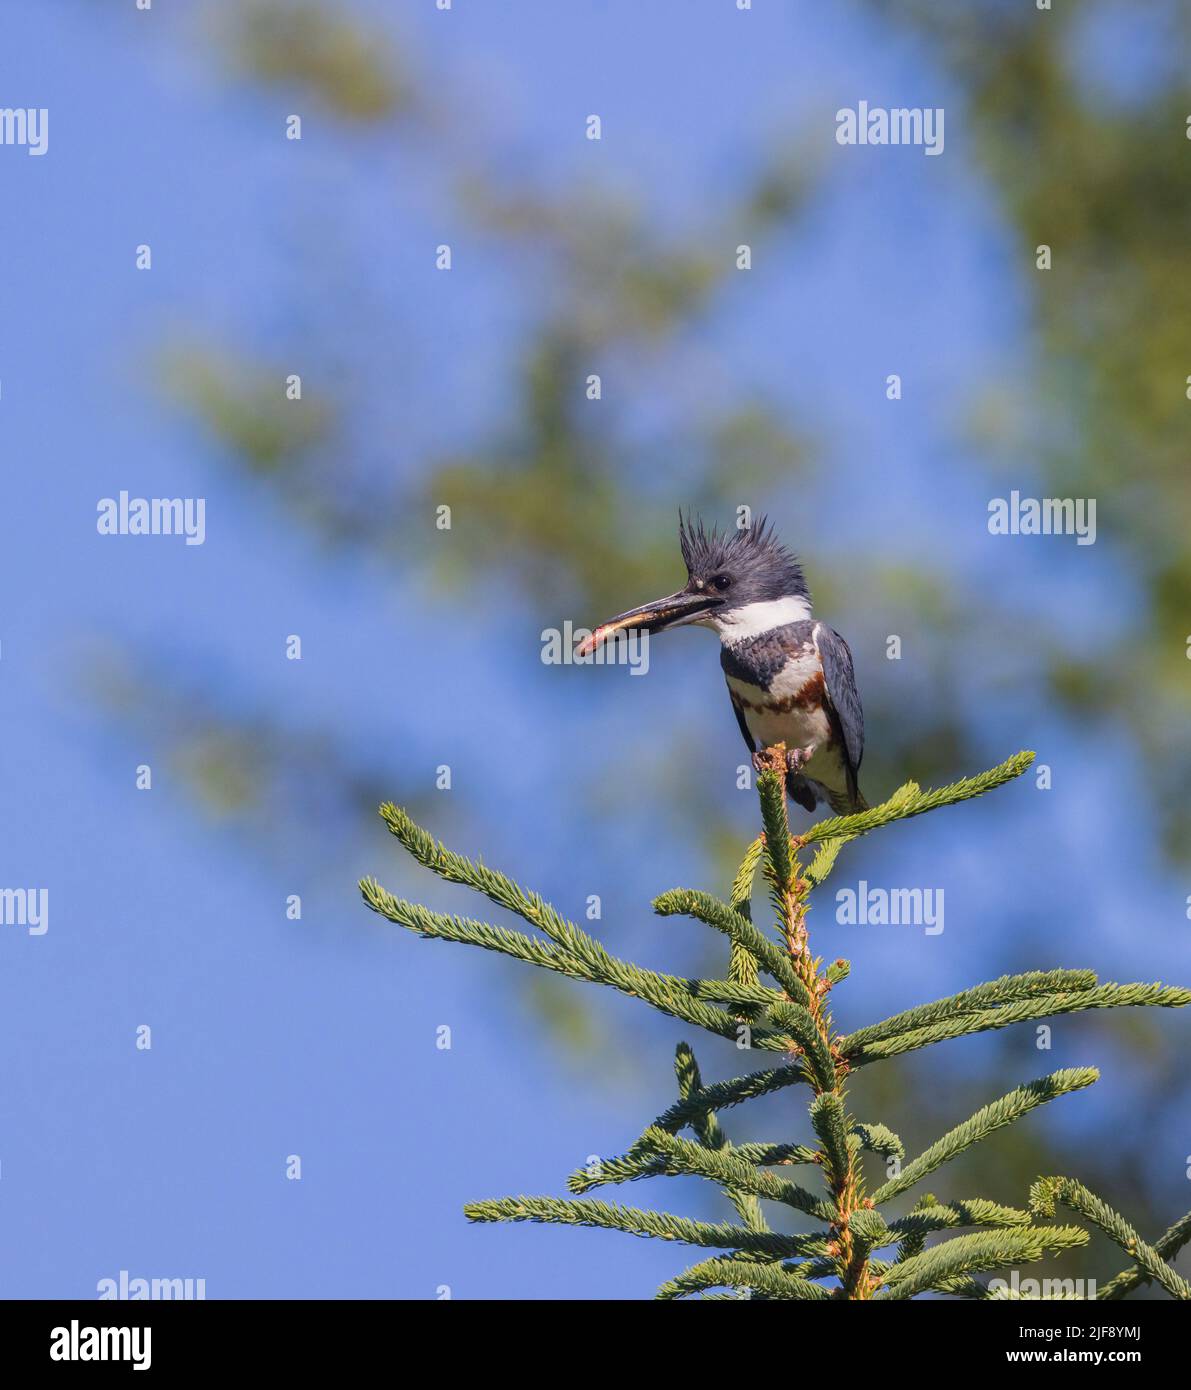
{"x": 771, "y": 1280}
{"x": 696, "y": 1107}
{"x": 721, "y": 1095}
{"x": 1047, "y": 1192}
{"x": 1167, "y": 1246}
{"x": 669, "y": 994}
{"x": 869, "y": 1228}
{"x": 1007, "y": 1294}
{"x": 646, "y": 1162}
{"x": 609, "y": 1172}
{"x": 914, "y": 1241}
{"x": 792, "y": 1019}
{"x": 713, "y": 913}
{"x": 724, "y": 1166}
{"x": 639, "y": 1162}
{"x": 789, "y": 892}
{"x": 943, "y": 1216}
{"x": 741, "y": 896}
{"x": 911, "y": 801}
{"x": 984, "y": 1250}
{"x": 811, "y": 1025}
{"x": 498, "y": 887}
{"x": 822, "y": 864}
{"x": 984, "y": 1122}
{"x": 658, "y": 1224}
{"x": 708, "y": 1132}
{"x": 879, "y": 1139}
{"x": 1107, "y": 996}
{"x": 829, "y": 847}
{"x": 830, "y": 1124}
{"x": 427, "y": 923}
{"x": 779, "y": 851}
{"x": 1008, "y": 989}
{"x": 838, "y": 970}
{"x": 774, "y": 1155}
{"x": 743, "y": 967}
{"x": 658, "y": 1153}
{"x": 742, "y": 997}
{"x": 800, "y": 1024}
{"x": 690, "y": 1083}
{"x": 828, "y": 1268}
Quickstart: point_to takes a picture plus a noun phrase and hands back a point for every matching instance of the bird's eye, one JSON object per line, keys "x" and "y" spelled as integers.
{"x": 721, "y": 582}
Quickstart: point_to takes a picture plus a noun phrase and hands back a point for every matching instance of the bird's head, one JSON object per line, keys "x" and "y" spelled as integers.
{"x": 738, "y": 582}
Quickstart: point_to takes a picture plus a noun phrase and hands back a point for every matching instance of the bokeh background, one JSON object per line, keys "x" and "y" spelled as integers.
{"x": 421, "y": 647}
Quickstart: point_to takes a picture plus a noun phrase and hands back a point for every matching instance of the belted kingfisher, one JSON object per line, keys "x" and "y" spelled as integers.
{"x": 790, "y": 677}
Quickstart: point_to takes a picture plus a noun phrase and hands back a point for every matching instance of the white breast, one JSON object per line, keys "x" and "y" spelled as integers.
{"x": 796, "y": 727}
{"x": 755, "y": 618}
{"x": 801, "y": 667}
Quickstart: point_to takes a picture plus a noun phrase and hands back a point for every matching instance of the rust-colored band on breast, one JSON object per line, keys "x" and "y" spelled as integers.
{"x": 811, "y": 695}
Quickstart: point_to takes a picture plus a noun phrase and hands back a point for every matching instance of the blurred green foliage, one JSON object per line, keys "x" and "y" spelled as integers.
{"x": 575, "y": 508}
{"x": 244, "y": 404}
{"x": 309, "y": 45}
{"x": 1103, "y": 181}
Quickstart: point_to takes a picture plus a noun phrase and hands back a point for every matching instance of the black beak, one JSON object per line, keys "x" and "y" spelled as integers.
{"x": 679, "y": 608}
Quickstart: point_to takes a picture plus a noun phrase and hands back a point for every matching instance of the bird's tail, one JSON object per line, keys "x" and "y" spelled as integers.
{"x": 810, "y": 794}
{"x": 845, "y": 803}
{"x": 800, "y": 790}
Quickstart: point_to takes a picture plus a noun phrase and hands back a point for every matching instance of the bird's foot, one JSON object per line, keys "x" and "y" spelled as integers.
{"x": 770, "y": 759}
{"x": 797, "y": 758}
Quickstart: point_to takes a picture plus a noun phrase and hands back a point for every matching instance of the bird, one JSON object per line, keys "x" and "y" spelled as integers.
{"x": 790, "y": 677}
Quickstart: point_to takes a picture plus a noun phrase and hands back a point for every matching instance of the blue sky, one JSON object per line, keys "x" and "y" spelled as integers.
{"x": 272, "y": 1037}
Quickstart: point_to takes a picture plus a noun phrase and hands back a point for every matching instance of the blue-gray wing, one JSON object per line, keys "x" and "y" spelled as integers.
{"x": 741, "y": 721}
{"x": 842, "y": 694}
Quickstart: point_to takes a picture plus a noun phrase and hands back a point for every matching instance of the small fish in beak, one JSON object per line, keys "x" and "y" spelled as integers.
{"x": 682, "y": 607}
